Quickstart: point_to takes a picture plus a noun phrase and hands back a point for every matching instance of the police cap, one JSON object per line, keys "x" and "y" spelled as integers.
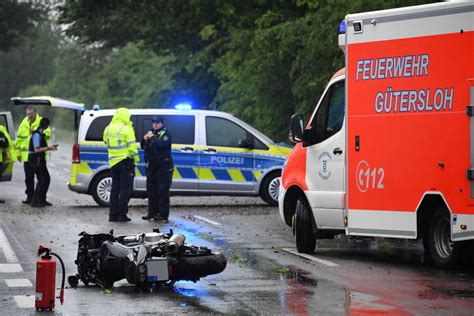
{"x": 157, "y": 119}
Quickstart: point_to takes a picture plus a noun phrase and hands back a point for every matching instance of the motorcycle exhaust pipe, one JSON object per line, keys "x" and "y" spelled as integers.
{"x": 174, "y": 243}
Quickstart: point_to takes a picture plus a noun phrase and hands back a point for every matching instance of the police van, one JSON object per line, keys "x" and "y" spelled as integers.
{"x": 214, "y": 153}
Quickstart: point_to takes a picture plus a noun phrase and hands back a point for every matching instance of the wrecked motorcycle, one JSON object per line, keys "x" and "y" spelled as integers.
{"x": 145, "y": 259}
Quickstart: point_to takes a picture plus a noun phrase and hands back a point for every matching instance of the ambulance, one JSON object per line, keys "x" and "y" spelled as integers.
{"x": 389, "y": 149}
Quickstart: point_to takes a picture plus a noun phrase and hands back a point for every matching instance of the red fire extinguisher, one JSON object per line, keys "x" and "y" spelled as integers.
{"x": 46, "y": 279}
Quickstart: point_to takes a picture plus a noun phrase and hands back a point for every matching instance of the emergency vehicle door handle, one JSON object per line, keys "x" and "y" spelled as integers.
{"x": 210, "y": 151}
{"x": 337, "y": 151}
{"x": 187, "y": 149}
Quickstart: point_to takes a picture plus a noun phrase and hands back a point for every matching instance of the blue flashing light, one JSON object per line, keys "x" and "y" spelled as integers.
{"x": 183, "y": 106}
{"x": 96, "y": 107}
{"x": 342, "y": 27}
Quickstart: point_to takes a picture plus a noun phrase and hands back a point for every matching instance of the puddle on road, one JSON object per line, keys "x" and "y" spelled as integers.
{"x": 358, "y": 303}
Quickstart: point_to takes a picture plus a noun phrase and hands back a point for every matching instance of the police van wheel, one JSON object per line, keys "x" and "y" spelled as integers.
{"x": 270, "y": 188}
{"x": 444, "y": 252}
{"x": 305, "y": 236}
{"x": 100, "y": 189}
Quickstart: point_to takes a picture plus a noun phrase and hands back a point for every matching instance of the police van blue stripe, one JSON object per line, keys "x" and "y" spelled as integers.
{"x": 95, "y": 157}
{"x": 187, "y": 173}
{"x": 221, "y": 174}
{"x": 248, "y": 175}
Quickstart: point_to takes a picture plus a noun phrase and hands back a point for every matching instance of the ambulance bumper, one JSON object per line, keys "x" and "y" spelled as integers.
{"x": 281, "y": 200}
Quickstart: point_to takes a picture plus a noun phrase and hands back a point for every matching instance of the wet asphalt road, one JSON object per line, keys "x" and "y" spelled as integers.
{"x": 344, "y": 276}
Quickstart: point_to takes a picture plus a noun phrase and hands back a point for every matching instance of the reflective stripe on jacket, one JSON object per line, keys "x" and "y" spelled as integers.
{"x": 119, "y": 137}
{"x": 24, "y": 135}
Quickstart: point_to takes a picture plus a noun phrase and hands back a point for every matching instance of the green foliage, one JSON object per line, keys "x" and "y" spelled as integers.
{"x": 130, "y": 76}
{"x": 16, "y": 20}
{"x": 136, "y": 77}
{"x": 30, "y": 63}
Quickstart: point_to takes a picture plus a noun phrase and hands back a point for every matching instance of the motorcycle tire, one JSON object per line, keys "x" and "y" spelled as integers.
{"x": 193, "y": 267}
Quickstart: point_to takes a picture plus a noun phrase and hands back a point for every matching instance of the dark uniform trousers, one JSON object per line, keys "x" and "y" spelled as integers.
{"x": 158, "y": 183}
{"x": 29, "y": 180}
{"x": 41, "y": 171}
{"x": 123, "y": 174}
{"x": 37, "y": 165}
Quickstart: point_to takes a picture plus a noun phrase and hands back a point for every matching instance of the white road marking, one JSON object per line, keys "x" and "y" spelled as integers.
{"x": 52, "y": 165}
{"x": 66, "y": 170}
{"x": 24, "y": 301}
{"x": 18, "y": 283}
{"x": 310, "y": 257}
{"x": 10, "y": 268}
{"x": 7, "y": 249}
{"x": 207, "y": 220}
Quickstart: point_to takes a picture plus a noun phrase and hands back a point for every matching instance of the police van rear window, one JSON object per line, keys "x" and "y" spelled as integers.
{"x": 96, "y": 129}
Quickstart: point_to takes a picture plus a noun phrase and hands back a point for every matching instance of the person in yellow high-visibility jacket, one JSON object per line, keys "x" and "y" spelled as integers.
{"x": 29, "y": 124}
{"x": 119, "y": 137}
{"x": 6, "y": 146}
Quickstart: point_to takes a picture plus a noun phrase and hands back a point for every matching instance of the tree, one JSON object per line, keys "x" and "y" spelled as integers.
{"x": 16, "y": 20}
{"x": 30, "y": 63}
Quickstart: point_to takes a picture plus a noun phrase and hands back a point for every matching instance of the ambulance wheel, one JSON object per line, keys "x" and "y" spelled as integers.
{"x": 100, "y": 189}
{"x": 444, "y": 252}
{"x": 270, "y": 188}
{"x": 305, "y": 237}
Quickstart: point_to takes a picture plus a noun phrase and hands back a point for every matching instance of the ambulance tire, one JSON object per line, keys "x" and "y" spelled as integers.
{"x": 305, "y": 237}
{"x": 443, "y": 252}
{"x": 270, "y": 187}
{"x": 98, "y": 186}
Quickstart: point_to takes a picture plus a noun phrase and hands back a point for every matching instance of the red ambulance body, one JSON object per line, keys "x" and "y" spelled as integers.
{"x": 389, "y": 148}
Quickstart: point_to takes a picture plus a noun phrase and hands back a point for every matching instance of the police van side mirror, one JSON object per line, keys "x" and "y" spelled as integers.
{"x": 245, "y": 143}
{"x": 296, "y": 129}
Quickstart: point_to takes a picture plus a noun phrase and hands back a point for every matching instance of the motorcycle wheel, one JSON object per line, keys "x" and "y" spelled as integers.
{"x": 193, "y": 267}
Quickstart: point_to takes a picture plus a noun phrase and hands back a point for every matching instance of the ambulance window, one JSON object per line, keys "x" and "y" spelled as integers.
{"x": 222, "y": 132}
{"x": 336, "y": 110}
{"x": 330, "y": 115}
{"x": 181, "y": 127}
{"x": 96, "y": 129}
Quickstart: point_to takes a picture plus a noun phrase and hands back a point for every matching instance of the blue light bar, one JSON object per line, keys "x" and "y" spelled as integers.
{"x": 96, "y": 107}
{"x": 342, "y": 27}
{"x": 183, "y": 106}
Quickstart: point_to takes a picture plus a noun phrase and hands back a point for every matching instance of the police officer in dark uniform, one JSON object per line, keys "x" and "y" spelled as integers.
{"x": 159, "y": 170}
{"x": 37, "y": 161}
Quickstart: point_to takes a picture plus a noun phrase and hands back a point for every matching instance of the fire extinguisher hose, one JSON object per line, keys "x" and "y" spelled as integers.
{"x": 61, "y": 293}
